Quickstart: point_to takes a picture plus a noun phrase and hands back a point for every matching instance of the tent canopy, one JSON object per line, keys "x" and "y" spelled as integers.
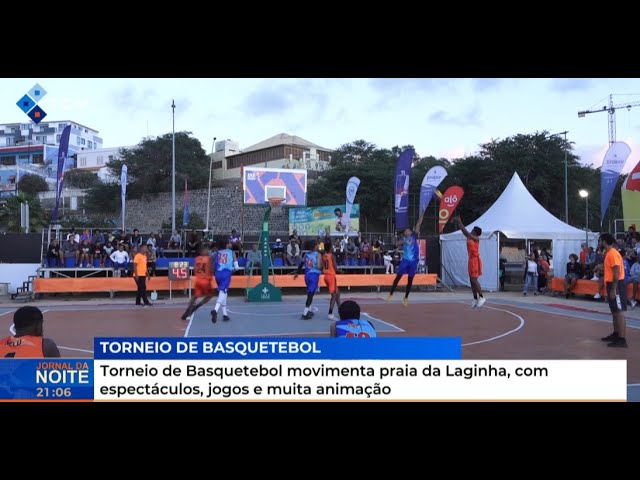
{"x": 519, "y": 216}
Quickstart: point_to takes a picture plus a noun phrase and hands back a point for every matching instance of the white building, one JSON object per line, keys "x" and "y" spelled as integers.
{"x": 49, "y": 133}
{"x": 280, "y": 151}
{"x": 96, "y": 161}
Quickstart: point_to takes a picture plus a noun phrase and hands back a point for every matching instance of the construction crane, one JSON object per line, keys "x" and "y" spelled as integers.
{"x": 612, "y": 115}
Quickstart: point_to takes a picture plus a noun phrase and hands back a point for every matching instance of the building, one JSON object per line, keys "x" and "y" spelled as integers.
{"x": 280, "y": 151}
{"x": 96, "y": 161}
{"x": 30, "y": 148}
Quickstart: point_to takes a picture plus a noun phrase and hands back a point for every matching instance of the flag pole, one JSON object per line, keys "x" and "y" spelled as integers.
{"x": 173, "y": 176}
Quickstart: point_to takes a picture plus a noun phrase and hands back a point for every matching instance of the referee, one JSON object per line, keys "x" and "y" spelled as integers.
{"x": 141, "y": 275}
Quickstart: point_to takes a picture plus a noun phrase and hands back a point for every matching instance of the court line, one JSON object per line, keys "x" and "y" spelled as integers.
{"x": 522, "y": 322}
{"x": 12, "y": 329}
{"x": 386, "y": 323}
{"x": 633, "y": 384}
{"x": 565, "y": 313}
{"x": 5, "y": 313}
{"x": 186, "y": 332}
{"x": 76, "y": 349}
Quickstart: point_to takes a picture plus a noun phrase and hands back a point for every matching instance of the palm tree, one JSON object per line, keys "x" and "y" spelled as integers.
{"x": 10, "y": 213}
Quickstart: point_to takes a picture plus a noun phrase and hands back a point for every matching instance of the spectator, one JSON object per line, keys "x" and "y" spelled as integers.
{"x": 598, "y": 272}
{"x": 584, "y": 252}
{"x": 151, "y": 260}
{"x": 175, "y": 242}
{"x": 293, "y": 252}
{"x": 630, "y": 235}
{"x": 320, "y": 243}
{"x": 376, "y": 251}
{"x": 193, "y": 245}
{"x": 503, "y": 272}
{"x": 277, "y": 250}
{"x": 296, "y": 237}
{"x": 85, "y": 254}
{"x": 254, "y": 259}
{"x": 350, "y": 324}
{"x": 388, "y": 263}
{"x": 120, "y": 260}
{"x": 136, "y": 238}
{"x": 98, "y": 237}
{"x": 351, "y": 250}
{"x": 152, "y": 241}
{"x": 72, "y": 249}
{"x": 124, "y": 241}
{"x": 98, "y": 254}
{"x": 86, "y": 235}
{"x": 634, "y": 279}
{"x": 543, "y": 274}
{"x": 546, "y": 255}
{"x": 54, "y": 254}
{"x": 107, "y": 250}
{"x": 365, "y": 249}
{"x": 530, "y": 274}
{"x": 29, "y": 340}
{"x": 591, "y": 263}
{"x": 338, "y": 252}
{"x": 74, "y": 235}
{"x": 574, "y": 272}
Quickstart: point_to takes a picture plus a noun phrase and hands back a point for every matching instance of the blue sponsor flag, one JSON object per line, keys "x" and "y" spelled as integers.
{"x": 63, "y": 152}
{"x": 401, "y": 190}
{"x": 612, "y": 166}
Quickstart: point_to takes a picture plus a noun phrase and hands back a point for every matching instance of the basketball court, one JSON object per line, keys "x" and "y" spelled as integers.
{"x": 504, "y": 328}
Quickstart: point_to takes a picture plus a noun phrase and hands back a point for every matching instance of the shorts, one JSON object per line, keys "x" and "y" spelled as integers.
{"x": 223, "y": 280}
{"x": 408, "y": 267}
{"x": 619, "y": 304}
{"x": 312, "y": 279}
{"x": 331, "y": 283}
{"x": 203, "y": 288}
{"x": 475, "y": 267}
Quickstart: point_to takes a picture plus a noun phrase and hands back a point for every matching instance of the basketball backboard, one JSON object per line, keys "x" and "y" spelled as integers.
{"x": 260, "y": 184}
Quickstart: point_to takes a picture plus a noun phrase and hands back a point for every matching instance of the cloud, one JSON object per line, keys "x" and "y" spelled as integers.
{"x": 571, "y": 84}
{"x": 130, "y": 99}
{"x": 277, "y": 99}
{"x": 458, "y": 151}
{"x": 593, "y": 155}
{"x": 400, "y": 85}
{"x": 470, "y": 118}
{"x": 484, "y": 84}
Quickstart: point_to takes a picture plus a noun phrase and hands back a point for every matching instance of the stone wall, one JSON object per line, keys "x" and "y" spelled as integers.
{"x": 226, "y": 213}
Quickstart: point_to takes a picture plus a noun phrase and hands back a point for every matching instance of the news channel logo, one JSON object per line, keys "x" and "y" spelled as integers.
{"x": 29, "y": 103}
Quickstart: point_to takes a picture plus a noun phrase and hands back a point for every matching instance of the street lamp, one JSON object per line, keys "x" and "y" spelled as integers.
{"x": 566, "y": 191}
{"x": 213, "y": 149}
{"x": 584, "y": 194}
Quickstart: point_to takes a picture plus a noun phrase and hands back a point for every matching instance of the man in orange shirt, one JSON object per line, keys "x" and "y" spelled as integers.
{"x": 329, "y": 270}
{"x": 616, "y": 291}
{"x": 203, "y": 288}
{"x": 29, "y": 340}
{"x": 475, "y": 262}
{"x": 141, "y": 275}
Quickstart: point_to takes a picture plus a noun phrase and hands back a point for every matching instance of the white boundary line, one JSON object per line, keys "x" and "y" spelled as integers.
{"x": 522, "y": 322}
{"x": 186, "y": 332}
{"x": 5, "y": 313}
{"x": 398, "y": 329}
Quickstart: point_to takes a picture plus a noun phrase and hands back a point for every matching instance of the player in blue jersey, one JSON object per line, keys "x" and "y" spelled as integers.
{"x": 224, "y": 264}
{"x": 350, "y": 325}
{"x": 312, "y": 265}
{"x": 409, "y": 263}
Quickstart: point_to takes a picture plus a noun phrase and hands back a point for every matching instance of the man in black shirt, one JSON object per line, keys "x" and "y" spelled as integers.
{"x": 55, "y": 257}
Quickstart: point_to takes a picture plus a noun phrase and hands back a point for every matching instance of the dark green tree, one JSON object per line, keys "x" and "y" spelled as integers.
{"x": 149, "y": 165}
{"x": 104, "y": 198}
{"x": 32, "y": 184}
{"x": 10, "y": 213}
{"x": 79, "y": 178}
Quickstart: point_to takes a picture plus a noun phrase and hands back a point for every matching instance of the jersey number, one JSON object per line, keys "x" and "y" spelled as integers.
{"x": 310, "y": 263}
{"x": 359, "y": 335}
{"x": 327, "y": 264}
{"x": 223, "y": 258}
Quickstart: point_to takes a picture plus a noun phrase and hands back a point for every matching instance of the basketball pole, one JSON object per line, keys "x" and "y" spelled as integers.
{"x": 265, "y": 291}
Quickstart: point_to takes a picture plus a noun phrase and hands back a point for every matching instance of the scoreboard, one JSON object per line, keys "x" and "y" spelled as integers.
{"x": 179, "y": 271}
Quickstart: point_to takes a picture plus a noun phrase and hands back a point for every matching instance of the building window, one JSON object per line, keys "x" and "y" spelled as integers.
{"x": 11, "y": 142}
{"x": 38, "y": 158}
{"x": 217, "y": 165}
{"x": 78, "y": 140}
{"x": 111, "y": 158}
{"x": 25, "y": 126}
{"x": 82, "y": 162}
{"x": 90, "y": 144}
{"x": 58, "y": 137}
{"x": 9, "y": 160}
{"x": 82, "y": 141}
{"x": 23, "y": 157}
{"x": 100, "y": 159}
{"x": 62, "y": 126}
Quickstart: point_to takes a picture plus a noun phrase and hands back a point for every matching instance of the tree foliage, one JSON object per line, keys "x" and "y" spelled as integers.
{"x": 32, "y": 184}
{"x": 10, "y": 213}
{"x": 538, "y": 158}
{"x": 79, "y": 178}
{"x": 104, "y": 198}
{"x": 149, "y": 164}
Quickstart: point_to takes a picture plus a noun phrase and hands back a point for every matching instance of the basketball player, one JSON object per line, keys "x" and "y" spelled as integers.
{"x": 329, "y": 269}
{"x": 409, "y": 263}
{"x": 28, "y": 341}
{"x": 203, "y": 288}
{"x": 475, "y": 262}
{"x": 225, "y": 263}
{"x": 350, "y": 325}
{"x": 312, "y": 264}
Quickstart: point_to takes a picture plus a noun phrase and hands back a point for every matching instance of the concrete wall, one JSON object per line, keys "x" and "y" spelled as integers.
{"x": 149, "y": 213}
{"x": 16, "y": 273}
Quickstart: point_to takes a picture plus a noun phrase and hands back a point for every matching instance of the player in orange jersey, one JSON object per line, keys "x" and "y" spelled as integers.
{"x": 204, "y": 275}
{"x": 329, "y": 269}
{"x": 475, "y": 262}
{"x": 28, "y": 340}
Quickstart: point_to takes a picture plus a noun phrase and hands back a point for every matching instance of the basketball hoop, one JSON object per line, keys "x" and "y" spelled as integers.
{"x": 276, "y": 204}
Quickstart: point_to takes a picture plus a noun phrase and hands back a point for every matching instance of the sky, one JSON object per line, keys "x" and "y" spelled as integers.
{"x": 443, "y": 117}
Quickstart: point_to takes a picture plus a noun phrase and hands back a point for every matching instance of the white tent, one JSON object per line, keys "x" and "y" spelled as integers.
{"x": 518, "y": 216}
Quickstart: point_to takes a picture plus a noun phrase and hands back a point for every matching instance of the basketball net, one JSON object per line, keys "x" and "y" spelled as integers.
{"x": 276, "y": 204}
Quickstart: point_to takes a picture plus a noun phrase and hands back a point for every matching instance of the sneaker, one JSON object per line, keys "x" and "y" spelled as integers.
{"x": 618, "y": 342}
{"x": 595, "y": 279}
{"x": 225, "y": 318}
{"x": 405, "y": 301}
{"x": 186, "y": 315}
{"x": 597, "y": 296}
{"x": 389, "y": 298}
{"x": 474, "y": 304}
{"x": 331, "y": 316}
{"x": 609, "y": 338}
{"x": 524, "y": 294}
{"x": 481, "y": 301}
{"x": 214, "y": 316}
{"x": 310, "y": 313}
{"x": 306, "y": 317}
{"x": 633, "y": 304}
